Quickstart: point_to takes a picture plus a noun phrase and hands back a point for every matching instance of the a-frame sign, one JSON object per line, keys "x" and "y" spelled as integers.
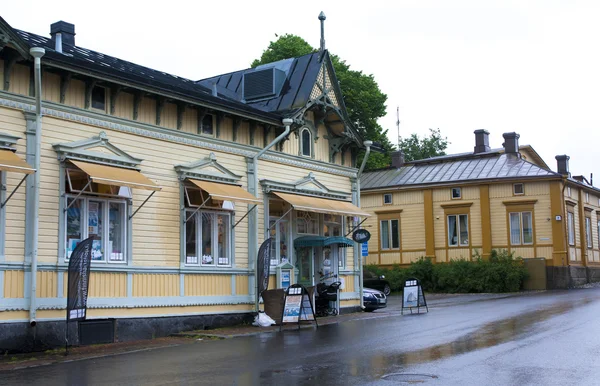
{"x": 298, "y": 306}
{"x": 413, "y": 296}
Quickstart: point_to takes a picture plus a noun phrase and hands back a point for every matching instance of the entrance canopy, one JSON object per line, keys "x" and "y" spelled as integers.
{"x": 110, "y": 175}
{"x": 226, "y": 192}
{"x": 10, "y": 162}
{"x": 321, "y": 205}
{"x": 322, "y": 241}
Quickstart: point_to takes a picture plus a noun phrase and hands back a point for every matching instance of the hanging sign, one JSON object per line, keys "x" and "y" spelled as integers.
{"x": 361, "y": 235}
{"x": 297, "y": 306}
{"x": 78, "y": 279}
{"x": 365, "y": 249}
{"x": 263, "y": 266}
{"x": 413, "y": 296}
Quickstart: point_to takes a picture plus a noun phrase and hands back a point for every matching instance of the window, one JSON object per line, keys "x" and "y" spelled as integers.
{"x": 518, "y": 189}
{"x": 207, "y": 125}
{"x": 568, "y": 191}
{"x": 390, "y": 234}
{"x": 456, "y": 193}
{"x": 305, "y": 143}
{"x": 307, "y": 223}
{"x": 521, "y": 228}
{"x": 571, "y": 227}
{"x": 458, "y": 230}
{"x": 587, "y": 198}
{"x": 332, "y": 227}
{"x": 103, "y": 218}
{"x": 208, "y": 238}
{"x": 588, "y": 232}
{"x": 387, "y": 198}
{"x": 99, "y": 98}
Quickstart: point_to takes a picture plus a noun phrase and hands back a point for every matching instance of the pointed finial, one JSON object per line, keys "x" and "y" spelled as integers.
{"x": 322, "y": 18}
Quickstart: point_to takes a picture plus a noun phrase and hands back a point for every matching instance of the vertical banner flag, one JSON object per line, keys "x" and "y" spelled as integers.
{"x": 263, "y": 266}
{"x": 79, "y": 274}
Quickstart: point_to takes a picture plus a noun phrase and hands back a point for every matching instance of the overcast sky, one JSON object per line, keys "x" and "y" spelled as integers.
{"x": 527, "y": 66}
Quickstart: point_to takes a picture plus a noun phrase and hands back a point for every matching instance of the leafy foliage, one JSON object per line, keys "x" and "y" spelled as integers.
{"x": 502, "y": 272}
{"x": 416, "y": 148}
{"x": 365, "y": 102}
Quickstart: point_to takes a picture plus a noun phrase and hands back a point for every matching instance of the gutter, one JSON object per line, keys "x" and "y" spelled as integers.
{"x": 357, "y": 250}
{"x": 37, "y": 53}
{"x": 253, "y": 245}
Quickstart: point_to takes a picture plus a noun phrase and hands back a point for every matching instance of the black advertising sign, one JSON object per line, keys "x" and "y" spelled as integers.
{"x": 264, "y": 264}
{"x": 297, "y": 306}
{"x": 413, "y": 296}
{"x": 361, "y": 235}
{"x": 79, "y": 274}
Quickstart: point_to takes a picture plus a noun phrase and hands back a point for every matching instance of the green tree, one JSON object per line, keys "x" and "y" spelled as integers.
{"x": 416, "y": 148}
{"x": 365, "y": 103}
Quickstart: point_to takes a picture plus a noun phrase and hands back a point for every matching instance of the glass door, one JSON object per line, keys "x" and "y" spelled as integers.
{"x": 305, "y": 266}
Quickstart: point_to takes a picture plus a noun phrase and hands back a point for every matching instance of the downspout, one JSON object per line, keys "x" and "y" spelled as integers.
{"x": 287, "y": 122}
{"x": 37, "y": 53}
{"x": 357, "y": 250}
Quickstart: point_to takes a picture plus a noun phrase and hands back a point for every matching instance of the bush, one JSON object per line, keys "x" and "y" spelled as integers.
{"x": 502, "y": 272}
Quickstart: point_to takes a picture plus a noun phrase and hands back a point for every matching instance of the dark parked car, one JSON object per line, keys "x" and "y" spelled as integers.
{"x": 370, "y": 280}
{"x": 373, "y": 299}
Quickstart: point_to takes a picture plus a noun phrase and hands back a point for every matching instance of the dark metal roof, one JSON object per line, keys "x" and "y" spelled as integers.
{"x": 97, "y": 63}
{"x": 301, "y": 75}
{"x": 453, "y": 169}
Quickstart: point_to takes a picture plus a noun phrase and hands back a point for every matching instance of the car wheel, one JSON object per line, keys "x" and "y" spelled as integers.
{"x": 387, "y": 290}
{"x": 369, "y": 309}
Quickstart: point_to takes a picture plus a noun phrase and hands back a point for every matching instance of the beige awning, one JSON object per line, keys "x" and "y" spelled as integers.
{"x": 110, "y": 175}
{"x": 321, "y": 205}
{"x": 226, "y": 192}
{"x": 11, "y": 162}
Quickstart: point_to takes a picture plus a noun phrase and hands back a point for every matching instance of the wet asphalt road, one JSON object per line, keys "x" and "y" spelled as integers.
{"x": 550, "y": 338}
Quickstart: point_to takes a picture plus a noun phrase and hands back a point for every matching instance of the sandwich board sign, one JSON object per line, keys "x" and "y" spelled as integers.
{"x": 412, "y": 296}
{"x": 297, "y": 306}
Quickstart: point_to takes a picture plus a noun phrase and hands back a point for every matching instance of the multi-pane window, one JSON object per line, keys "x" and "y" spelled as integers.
{"x": 99, "y": 98}
{"x": 390, "y": 233}
{"x": 332, "y": 227}
{"x": 279, "y": 232}
{"x": 207, "y": 125}
{"x": 588, "y": 232}
{"x": 458, "y": 230}
{"x": 387, "y": 198}
{"x": 571, "y": 227}
{"x": 456, "y": 193}
{"x": 587, "y": 198}
{"x": 307, "y": 223}
{"x": 305, "y": 143}
{"x": 104, "y": 219}
{"x": 521, "y": 228}
{"x": 518, "y": 189}
{"x": 208, "y": 238}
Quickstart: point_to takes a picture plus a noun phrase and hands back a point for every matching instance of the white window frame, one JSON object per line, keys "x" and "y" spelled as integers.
{"x": 276, "y": 260}
{"x": 296, "y": 218}
{"x": 568, "y": 191}
{"x": 458, "y": 231}
{"x": 522, "y": 192}
{"x": 588, "y": 233}
{"x": 571, "y": 228}
{"x": 341, "y": 250}
{"x": 390, "y": 238}
{"x": 587, "y": 198}
{"x": 456, "y": 189}
{"x": 390, "y": 201}
{"x": 310, "y": 139}
{"x": 84, "y": 218}
{"x": 521, "y": 228}
{"x": 214, "y": 238}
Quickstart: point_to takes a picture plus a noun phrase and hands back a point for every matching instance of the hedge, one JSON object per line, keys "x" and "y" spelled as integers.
{"x": 502, "y": 272}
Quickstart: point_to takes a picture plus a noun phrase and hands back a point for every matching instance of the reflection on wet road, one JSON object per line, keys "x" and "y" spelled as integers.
{"x": 531, "y": 339}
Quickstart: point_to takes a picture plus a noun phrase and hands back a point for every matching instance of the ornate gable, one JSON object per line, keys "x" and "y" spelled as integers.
{"x": 96, "y": 149}
{"x": 308, "y": 185}
{"x": 207, "y": 169}
{"x": 8, "y": 37}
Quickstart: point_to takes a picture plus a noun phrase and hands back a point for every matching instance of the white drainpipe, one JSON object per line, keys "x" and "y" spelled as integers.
{"x": 37, "y": 53}
{"x": 287, "y": 122}
{"x": 360, "y": 262}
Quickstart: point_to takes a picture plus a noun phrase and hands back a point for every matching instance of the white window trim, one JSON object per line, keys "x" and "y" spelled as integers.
{"x": 589, "y": 237}
{"x": 522, "y": 193}
{"x": 391, "y": 199}
{"x": 302, "y": 142}
{"x": 214, "y": 239}
{"x": 390, "y": 238}
{"x": 341, "y": 251}
{"x": 277, "y": 260}
{"x": 522, "y": 228}
{"x": 106, "y": 219}
{"x": 571, "y": 228}
{"x": 459, "y": 244}
{"x": 459, "y": 193}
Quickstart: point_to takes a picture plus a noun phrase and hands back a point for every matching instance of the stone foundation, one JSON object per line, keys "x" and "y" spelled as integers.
{"x": 571, "y": 276}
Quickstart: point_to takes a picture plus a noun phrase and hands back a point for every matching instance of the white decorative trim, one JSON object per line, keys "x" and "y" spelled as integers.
{"x": 136, "y": 128}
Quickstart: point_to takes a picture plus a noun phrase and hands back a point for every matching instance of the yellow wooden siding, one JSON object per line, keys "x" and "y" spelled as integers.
{"x": 349, "y": 258}
{"x": 348, "y": 283}
{"x": 16, "y": 315}
{"x": 440, "y": 255}
{"x": 47, "y": 284}
{"x": 409, "y": 257}
{"x": 168, "y": 117}
{"x": 272, "y": 281}
{"x": 545, "y": 252}
{"x": 19, "y": 79}
{"x": 390, "y": 258}
{"x": 226, "y": 129}
{"x": 412, "y": 227}
{"x": 468, "y": 193}
{"x": 51, "y": 87}
{"x": 372, "y": 258}
{"x": 524, "y": 252}
{"x": 147, "y": 113}
{"x": 75, "y": 95}
{"x": 106, "y": 285}
{"x": 459, "y": 253}
{"x": 155, "y": 285}
{"x": 243, "y": 133}
{"x": 241, "y": 285}
{"x": 14, "y": 284}
{"x": 124, "y": 105}
{"x": 207, "y": 285}
{"x": 190, "y": 121}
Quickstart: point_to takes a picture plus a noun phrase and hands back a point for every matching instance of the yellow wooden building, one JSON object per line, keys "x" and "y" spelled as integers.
{"x": 180, "y": 181}
{"x": 457, "y": 206}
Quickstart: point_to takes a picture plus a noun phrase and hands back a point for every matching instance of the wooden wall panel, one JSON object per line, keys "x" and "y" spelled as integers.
{"x": 524, "y": 252}
{"x": 51, "y": 87}
{"x": 75, "y": 95}
{"x": 168, "y": 118}
{"x": 545, "y": 252}
{"x": 348, "y": 283}
{"x": 47, "y": 284}
{"x": 409, "y": 257}
{"x": 14, "y": 284}
{"x": 190, "y": 121}
{"x": 241, "y": 285}
{"x": 412, "y": 227}
{"x": 155, "y": 285}
{"x": 124, "y": 105}
{"x": 147, "y": 113}
{"x": 459, "y": 253}
{"x": 107, "y": 285}
{"x": 207, "y": 285}
{"x": 390, "y": 258}
{"x": 19, "y": 79}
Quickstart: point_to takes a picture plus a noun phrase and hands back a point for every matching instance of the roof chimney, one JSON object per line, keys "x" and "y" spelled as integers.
{"x": 482, "y": 141}
{"x": 511, "y": 143}
{"x": 562, "y": 164}
{"x": 322, "y": 18}
{"x": 397, "y": 158}
{"x": 62, "y": 32}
